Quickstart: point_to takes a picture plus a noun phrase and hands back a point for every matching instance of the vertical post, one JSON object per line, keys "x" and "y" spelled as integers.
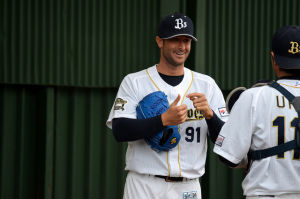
{"x": 169, "y": 6}
{"x": 200, "y": 33}
{"x": 50, "y": 134}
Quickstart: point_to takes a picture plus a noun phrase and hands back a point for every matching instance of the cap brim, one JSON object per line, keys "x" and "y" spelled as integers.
{"x": 194, "y": 38}
{"x": 287, "y": 62}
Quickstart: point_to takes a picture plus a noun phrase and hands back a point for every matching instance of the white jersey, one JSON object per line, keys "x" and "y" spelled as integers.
{"x": 187, "y": 159}
{"x": 262, "y": 118}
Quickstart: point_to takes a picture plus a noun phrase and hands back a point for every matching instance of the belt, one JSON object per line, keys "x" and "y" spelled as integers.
{"x": 261, "y": 196}
{"x": 172, "y": 179}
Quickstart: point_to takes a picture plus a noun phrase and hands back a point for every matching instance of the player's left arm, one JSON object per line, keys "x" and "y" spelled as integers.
{"x": 214, "y": 123}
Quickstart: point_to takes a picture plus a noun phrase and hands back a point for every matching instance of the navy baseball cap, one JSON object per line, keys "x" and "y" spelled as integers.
{"x": 174, "y": 25}
{"x": 286, "y": 47}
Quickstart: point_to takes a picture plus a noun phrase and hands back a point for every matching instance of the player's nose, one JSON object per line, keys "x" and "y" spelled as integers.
{"x": 181, "y": 45}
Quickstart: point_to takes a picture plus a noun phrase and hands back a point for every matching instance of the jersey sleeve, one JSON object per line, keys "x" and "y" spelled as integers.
{"x": 217, "y": 102}
{"x": 234, "y": 140}
{"x": 125, "y": 102}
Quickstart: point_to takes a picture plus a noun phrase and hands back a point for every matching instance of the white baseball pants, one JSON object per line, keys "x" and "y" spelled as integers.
{"x": 139, "y": 186}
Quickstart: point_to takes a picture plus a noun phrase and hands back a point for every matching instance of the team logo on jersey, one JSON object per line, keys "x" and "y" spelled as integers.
{"x": 190, "y": 195}
{"x": 219, "y": 140}
{"x": 119, "y": 104}
{"x": 223, "y": 112}
{"x": 173, "y": 140}
{"x": 194, "y": 114}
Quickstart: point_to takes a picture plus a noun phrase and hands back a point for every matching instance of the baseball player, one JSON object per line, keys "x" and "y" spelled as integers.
{"x": 172, "y": 174}
{"x": 263, "y": 123}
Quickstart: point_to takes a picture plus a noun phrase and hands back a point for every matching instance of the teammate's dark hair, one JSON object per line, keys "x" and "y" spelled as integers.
{"x": 294, "y": 72}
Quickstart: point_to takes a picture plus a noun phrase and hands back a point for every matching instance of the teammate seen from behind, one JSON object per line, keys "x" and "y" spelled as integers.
{"x": 171, "y": 173}
{"x": 264, "y": 121}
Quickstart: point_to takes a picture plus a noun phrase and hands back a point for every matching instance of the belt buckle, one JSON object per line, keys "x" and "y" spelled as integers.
{"x": 167, "y": 179}
{"x": 174, "y": 179}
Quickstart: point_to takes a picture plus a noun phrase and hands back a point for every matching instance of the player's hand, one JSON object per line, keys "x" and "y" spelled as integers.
{"x": 175, "y": 114}
{"x": 201, "y": 104}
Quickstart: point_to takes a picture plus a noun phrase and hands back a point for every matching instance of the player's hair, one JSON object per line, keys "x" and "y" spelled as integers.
{"x": 295, "y": 72}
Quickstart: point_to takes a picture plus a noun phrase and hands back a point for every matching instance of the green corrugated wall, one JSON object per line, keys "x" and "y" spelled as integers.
{"x": 76, "y": 42}
{"x": 54, "y": 144}
{"x": 235, "y": 38}
{"x": 61, "y": 62}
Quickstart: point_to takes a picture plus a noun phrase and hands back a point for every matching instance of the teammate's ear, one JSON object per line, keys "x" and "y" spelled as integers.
{"x": 274, "y": 65}
{"x": 272, "y": 57}
{"x": 159, "y": 41}
{"x": 272, "y": 60}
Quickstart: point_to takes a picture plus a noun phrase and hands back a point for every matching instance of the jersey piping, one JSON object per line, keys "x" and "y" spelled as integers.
{"x": 152, "y": 80}
{"x": 288, "y": 85}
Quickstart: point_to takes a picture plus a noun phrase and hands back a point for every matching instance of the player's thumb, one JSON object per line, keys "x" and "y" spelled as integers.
{"x": 175, "y": 102}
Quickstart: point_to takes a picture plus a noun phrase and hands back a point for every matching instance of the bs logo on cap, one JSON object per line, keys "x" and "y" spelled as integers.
{"x": 294, "y": 47}
{"x": 174, "y": 25}
{"x": 285, "y": 46}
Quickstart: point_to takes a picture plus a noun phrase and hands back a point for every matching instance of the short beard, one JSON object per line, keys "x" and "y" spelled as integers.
{"x": 171, "y": 61}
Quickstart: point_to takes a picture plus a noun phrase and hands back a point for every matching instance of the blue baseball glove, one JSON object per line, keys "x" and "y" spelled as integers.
{"x": 154, "y": 104}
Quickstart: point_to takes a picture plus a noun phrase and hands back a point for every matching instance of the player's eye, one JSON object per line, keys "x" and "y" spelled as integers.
{"x": 187, "y": 40}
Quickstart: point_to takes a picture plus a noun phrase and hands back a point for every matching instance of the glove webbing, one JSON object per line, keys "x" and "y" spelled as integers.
{"x": 294, "y": 144}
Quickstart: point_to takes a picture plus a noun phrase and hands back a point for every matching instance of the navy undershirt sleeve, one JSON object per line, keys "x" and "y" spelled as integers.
{"x": 214, "y": 125}
{"x": 125, "y": 129}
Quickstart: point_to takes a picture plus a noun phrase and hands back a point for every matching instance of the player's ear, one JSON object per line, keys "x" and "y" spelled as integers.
{"x": 272, "y": 57}
{"x": 159, "y": 41}
{"x": 274, "y": 64}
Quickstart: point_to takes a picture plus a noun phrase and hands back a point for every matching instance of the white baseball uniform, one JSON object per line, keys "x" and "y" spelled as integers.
{"x": 262, "y": 118}
{"x": 187, "y": 159}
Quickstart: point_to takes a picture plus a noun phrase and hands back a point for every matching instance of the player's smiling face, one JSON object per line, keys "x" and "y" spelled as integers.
{"x": 176, "y": 50}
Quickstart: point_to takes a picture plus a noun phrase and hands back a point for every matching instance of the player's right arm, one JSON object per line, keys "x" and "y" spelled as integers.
{"x": 127, "y": 129}
{"x": 123, "y": 120}
{"x": 175, "y": 114}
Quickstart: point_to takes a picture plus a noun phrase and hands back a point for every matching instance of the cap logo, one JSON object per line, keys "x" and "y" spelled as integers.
{"x": 294, "y": 47}
{"x": 180, "y": 24}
